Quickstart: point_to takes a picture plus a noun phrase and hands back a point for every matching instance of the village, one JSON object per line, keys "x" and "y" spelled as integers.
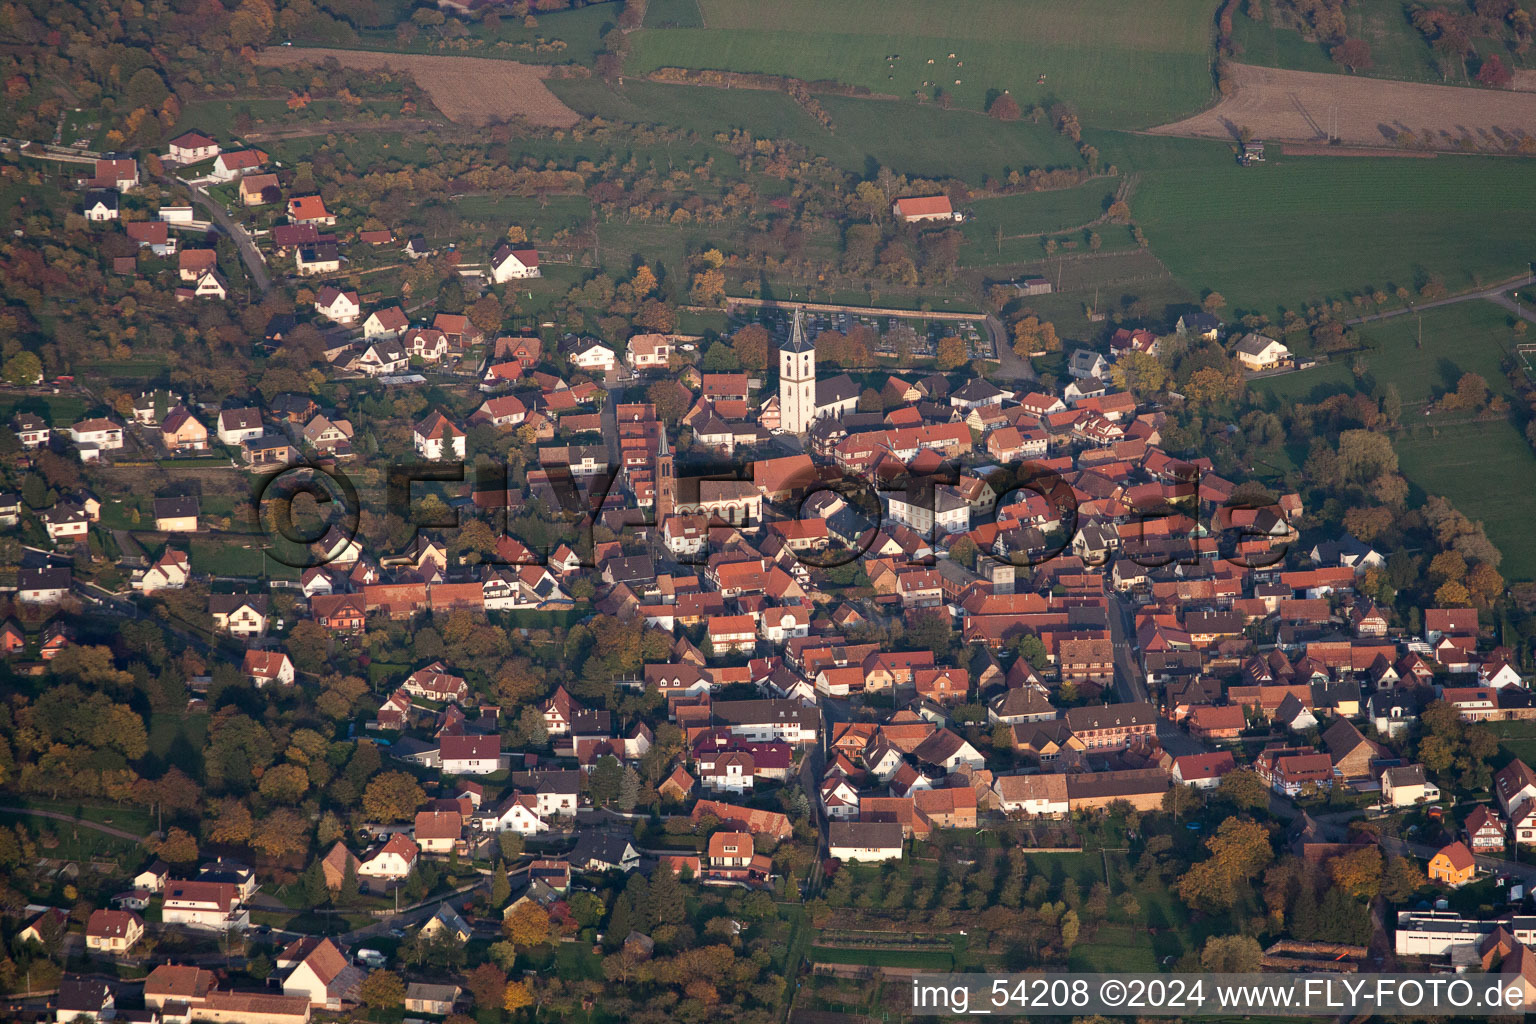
{"x": 867, "y": 606}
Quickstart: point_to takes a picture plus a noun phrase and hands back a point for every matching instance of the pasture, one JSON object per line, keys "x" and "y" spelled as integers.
{"x": 921, "y": 140}
{"x": 1469, "y": 337}
{"x": 1117, "y": 63}
{"x": 1301, "y": 229}
{"x": 1487, "y": 471}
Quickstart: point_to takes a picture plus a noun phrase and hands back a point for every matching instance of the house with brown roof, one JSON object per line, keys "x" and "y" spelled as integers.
{"x": 1043, "y": 795}
{"x": 1142, "y": 788}
{"x": 113, "y": 931}
{"x": 321, "y": 972}
{"x": 438, "y": 831}
{"x": 1453, "y": 865}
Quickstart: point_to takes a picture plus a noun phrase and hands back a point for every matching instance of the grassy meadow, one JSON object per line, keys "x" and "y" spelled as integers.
{"x": 1301, "y": 229}
{"x": 1116, "y": 63}
{"x": 1487, "y": 471}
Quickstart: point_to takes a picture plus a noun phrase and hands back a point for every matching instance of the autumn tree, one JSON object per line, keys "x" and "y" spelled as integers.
{"x": 1214, "y": 302}
{"x": 1140, "y": 373}
{"x": 382, "y": 990}
{"x": 527, "y": 925}
{"x": 1352, "y": 55}
{"x": 1231, "y": 954}
{"x": 1005, "y": 107}
{"x": 1240, "y": 849}
{"x": 487, "y": 983}
{"x": 950, "y": 353}
{"x": 752, "y": 347}
{"x": 1494, "y": 73}
{"x": 516, "y": 996}
{"x": 1358, "y": 873}
{"x": 670, "y": 399}
{"x": 393, "y": 796}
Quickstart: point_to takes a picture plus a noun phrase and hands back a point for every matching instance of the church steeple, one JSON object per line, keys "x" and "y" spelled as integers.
{"x": 797, "y": 379}
{"x": 665, "y": 481}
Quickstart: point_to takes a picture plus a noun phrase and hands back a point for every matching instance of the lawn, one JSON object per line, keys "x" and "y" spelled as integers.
{"x": 1517, "y": 739}
{"x": 1299, "y": 229}
{"x": 1116, "y": 63}
{"x": 1440, "y": 460}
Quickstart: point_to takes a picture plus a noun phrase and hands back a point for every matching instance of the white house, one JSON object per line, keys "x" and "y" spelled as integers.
{"x": 169, "y": 573}
{"x": 1044, "y": 795}
{"x": 263, "y": 667}
{"x": 649, "y": 352}
{"x": 319, "y": 971}
{"x": 389, "y": 865}
{"x": 102, "y": 433}
{"x": 229, "y": 166}
{"x": 242, "y": 615}
{"x": 100, "y": 206}
{"x": 517, "y": 813}
{"x": 866, "y": 841}
{"x": 1256, "y": 352}
{"x": 212, "y": 906}
{"x": 389, "y": 321}
{"x": 508, "y": 264}
{"x": 190, "y": 147}
{"x": 334, "y": 304}
{"x": 210, "y": 285}
{"x": 383, "y": 358}
{"x": 1407, "y": 785}
{"x": 592, "y": 355}
{"x": 470, "y": 754}
{"x": 436, "y": 437}
{"x": 237, "y": 425}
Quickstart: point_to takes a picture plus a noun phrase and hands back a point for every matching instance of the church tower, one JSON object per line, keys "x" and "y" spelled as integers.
{"x": 797, "y": 381}
{"x": 666, "y": 483}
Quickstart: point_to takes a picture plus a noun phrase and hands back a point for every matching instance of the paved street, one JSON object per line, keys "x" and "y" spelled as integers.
{"x": 255, "y": 266}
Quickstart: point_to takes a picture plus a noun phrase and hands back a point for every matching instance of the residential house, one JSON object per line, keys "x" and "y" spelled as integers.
{"x": 389, "y": 865}
{"x": 264, "y": 667}
{"x": 1407, "y": 785}
{"x": 864, "y": 841}
{"x": 207, "y": 906}
{"x": 192, "y": 147}
{"x": 437, "y": 1000}
{"x": 1453, "y": 865}
{"x": 511, "y": 264}
{"x": 1256, "y": 353}
{"x": 176, "y": 515}
{"x": 242, "y": 615}
{"x": 437, "y": 437}
{"x": 342, "y": 307}
{"x": 235, "y": 426}
{"x": 917, "y": 209}
{"x": 113, "y": 931}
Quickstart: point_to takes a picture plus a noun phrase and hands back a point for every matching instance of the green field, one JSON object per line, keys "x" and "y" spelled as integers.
{"x": 1117, "y": 63}
{"x": 1488, "y": 472}
{"x": 910, "y": 138}
{"x": 1299, "y": 229}
{"x": 1469, "y": 337}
